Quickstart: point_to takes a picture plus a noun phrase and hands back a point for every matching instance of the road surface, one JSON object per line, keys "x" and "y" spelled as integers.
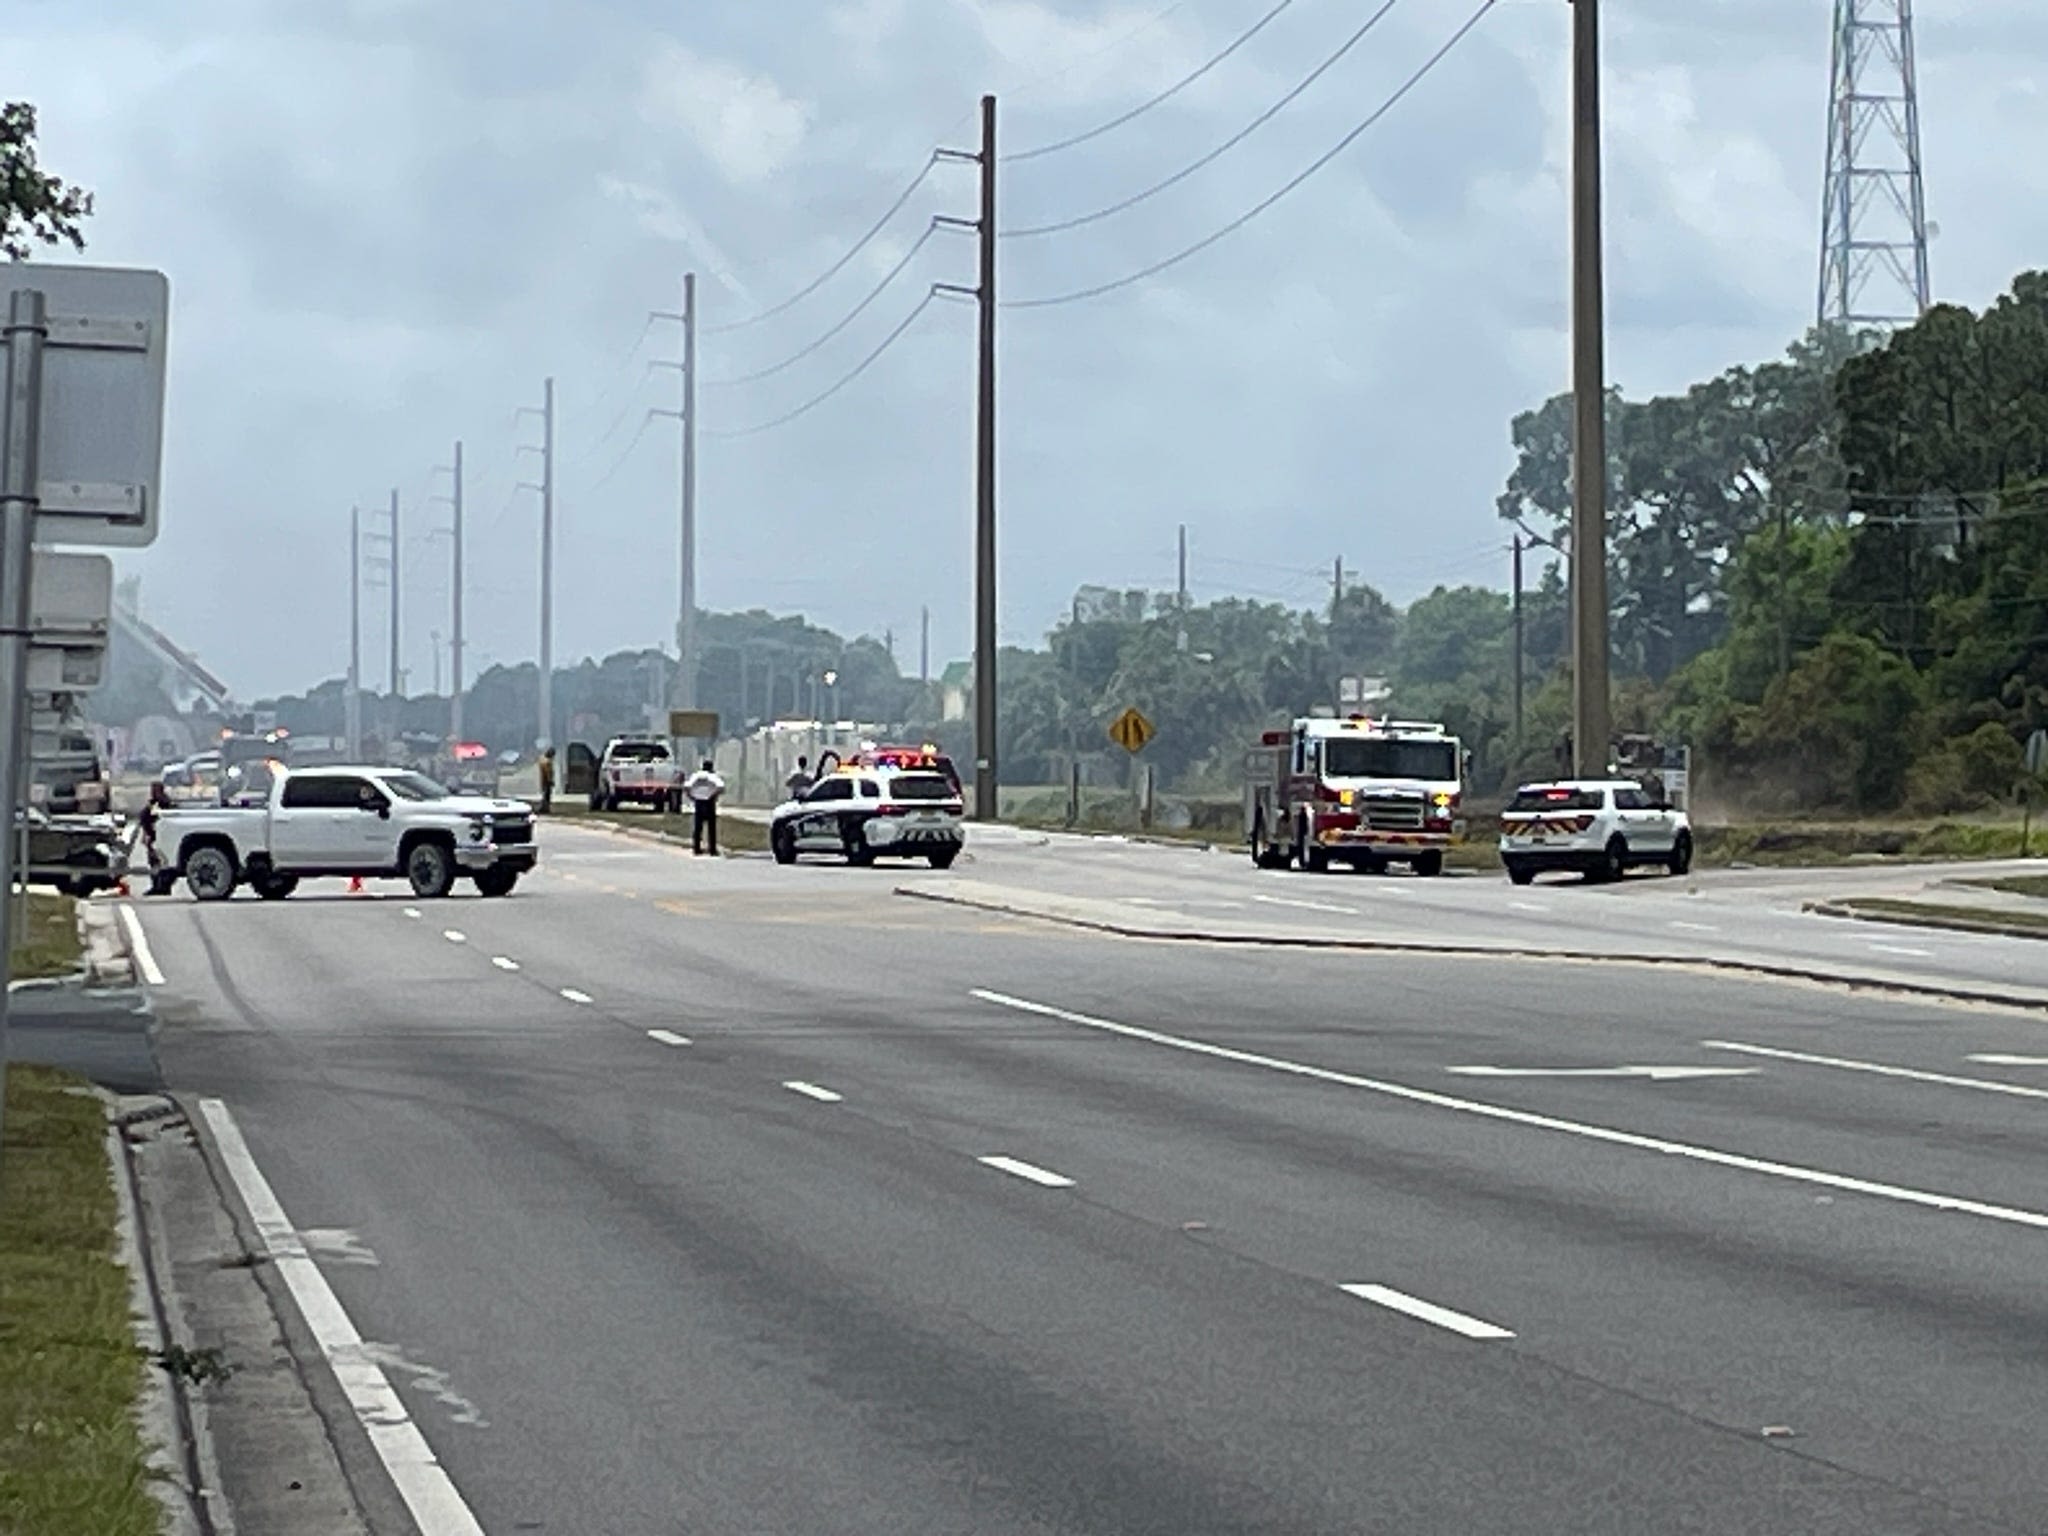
{"x": 705, "y": 1196}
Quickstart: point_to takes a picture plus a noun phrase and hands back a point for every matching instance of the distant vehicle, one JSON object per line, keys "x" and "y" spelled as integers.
{"x": 1355, "y": 790}
{"x": 249, "y": 763}
{"x": 386, "y": 823}
{"x": 77, "y": 854}
{"x": 1601, "y": 828}
{"x": 636, "y": 770}
{"x": 862, "y": 814}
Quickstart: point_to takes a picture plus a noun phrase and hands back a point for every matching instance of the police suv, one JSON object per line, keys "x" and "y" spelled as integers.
{"x": 1601, "y": 828}
{"x": 863, "y": 812}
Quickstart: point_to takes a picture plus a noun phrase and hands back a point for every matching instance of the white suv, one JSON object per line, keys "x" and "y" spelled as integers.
{"x": 1600, "y": 827}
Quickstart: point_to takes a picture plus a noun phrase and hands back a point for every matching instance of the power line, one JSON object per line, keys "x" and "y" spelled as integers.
{"x": 848, "y": 319}
{"x": 1220, "y": 150}
{"x": 626, "y": 453}
{"x": 845, "y": 379}
{"x": 1146, "y": 106}
{"x": 838, "y": 266}
{"x": 1258, "y": 208}
{"x": 610, "y": 432}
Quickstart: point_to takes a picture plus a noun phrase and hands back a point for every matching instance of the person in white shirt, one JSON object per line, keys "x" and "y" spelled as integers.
{"x": 703, "y": 788}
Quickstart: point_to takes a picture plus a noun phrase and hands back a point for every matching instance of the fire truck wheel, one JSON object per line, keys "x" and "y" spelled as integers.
{"x": 1428, "y": 865}
{"x": 1308, "y": 856}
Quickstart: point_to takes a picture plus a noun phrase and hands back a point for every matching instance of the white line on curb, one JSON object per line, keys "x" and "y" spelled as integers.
{"x": 1030, "y": 1171}
{"x": 1426, "y": 1311}
{"x": 1709, "y": 1155}
{"x": 422, "y": 1482}
{"x": 667, "y": 1037}
{"x": 145, "y": 957}
{"x": 813, "y": 1091}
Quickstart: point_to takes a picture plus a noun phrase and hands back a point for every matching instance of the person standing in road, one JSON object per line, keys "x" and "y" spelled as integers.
{"x": 704, "y": 787}
{"x": 799, "y": 779}
{"x": 547, "y": 781}
{"x": 159, "y": 801}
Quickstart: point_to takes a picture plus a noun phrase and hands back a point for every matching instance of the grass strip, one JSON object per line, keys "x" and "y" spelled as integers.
{"x": 48, "y": 942}
{"x": 71, "y": 1451}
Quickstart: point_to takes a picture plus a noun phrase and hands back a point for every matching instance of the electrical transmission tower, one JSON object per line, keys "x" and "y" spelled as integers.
{"x": 1874, "y": 226}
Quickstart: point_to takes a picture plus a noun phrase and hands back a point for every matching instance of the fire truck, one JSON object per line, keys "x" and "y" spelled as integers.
{"x": 1355, "y": 790}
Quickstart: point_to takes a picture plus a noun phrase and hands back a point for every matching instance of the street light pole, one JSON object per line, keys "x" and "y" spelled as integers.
{"x": 1591, "y": 719}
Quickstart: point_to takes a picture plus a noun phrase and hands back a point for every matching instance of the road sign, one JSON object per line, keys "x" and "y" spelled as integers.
{"x": 1131, "y": 731}
{"x": 71, "y": 606}
{"x": 99, "y": 452}
{"x": 2037, "y": 752}
{"x": 697, "y": 724}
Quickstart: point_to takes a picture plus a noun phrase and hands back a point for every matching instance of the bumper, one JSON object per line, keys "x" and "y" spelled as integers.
{"x": 475, "y": 856}
{"x": 884, "y": 834}
{"x": 1392, "y": 844}
{"x": 1550, "y": 856}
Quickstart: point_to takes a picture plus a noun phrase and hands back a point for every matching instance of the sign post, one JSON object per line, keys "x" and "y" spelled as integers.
{"x": 1133, "y": 732}
{"x": 81, "y": 451}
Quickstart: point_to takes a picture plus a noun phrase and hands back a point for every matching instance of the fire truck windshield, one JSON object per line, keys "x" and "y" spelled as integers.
{"x": 1382, "y": 757}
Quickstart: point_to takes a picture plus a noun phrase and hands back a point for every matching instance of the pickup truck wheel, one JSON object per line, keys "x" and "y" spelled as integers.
{"x": 431, "y": 869}
{"x": 496, "y": 882}
{"x": 210, "y": 874}
{"x": 1681, "y": 854}
{"x": 275, "y": 887}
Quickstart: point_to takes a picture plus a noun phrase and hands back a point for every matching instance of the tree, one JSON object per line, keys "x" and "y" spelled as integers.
{"x": 35, "y": 208}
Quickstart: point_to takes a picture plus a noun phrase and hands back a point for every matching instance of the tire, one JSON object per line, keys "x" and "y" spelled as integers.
{"x": 1520, "y": 873}
{"x": 942, "y": 858}
{"x": 596, "y": 800}
{"x": 210, "y": 874}
{"x": 858, "y": 853}
{"x": 274, "y": 887}
{"x": 430, "y": 867}
{"x": 497, "y": 881}
{"x": 782, "y": 843}
{"x": 1261, "y": 855}
{"x": 1681, "y": 854}
{"x": 1308, "y": 857}
{"x": 1613, "y": 863}
{"x": 1428, "y": 865}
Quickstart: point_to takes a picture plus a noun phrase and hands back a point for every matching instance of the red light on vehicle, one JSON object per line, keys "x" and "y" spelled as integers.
{"x": 467, "y": 750}
{"x": 1557, "y": 794}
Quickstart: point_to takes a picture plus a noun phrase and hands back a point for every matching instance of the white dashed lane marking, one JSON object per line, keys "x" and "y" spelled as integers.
{"x": 813, "y": 1091}
{"x": 504, "y": 962}
{"x": 666, "y": 1037}
{"x": 1028, "y": 1171}
{"x": 577, "y": 997}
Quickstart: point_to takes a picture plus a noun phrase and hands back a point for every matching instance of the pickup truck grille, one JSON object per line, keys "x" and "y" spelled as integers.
{"x": 1393, "y": 813}
{"x": 511, "y": 834}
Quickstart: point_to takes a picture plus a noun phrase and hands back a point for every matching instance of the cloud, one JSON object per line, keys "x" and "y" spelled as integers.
{"x": 741, "y": 122}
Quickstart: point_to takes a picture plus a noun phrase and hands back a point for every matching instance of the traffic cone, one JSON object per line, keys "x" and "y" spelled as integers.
{"x": 122, "y": 888}
{"x": 355, "y": 885}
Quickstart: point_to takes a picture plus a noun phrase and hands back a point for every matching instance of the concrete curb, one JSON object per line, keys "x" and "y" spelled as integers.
{"x": 1273, "y": 939}
{"x": 1957, "y": 924}
{"x": 103, "y": 941}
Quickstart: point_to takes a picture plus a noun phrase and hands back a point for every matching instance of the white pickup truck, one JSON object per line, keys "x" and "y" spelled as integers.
{"x": 636, "y": 770}
{"x": 384, "y": 823}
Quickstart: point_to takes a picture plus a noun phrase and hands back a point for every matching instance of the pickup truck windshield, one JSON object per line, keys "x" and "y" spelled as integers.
{"x": 413, "y": 786}
{"x": 1366, "y": 757}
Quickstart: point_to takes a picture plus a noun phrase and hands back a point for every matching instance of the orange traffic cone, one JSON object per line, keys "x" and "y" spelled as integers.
{"x": 355, "y": 885}
{"x": 122, "y": 888}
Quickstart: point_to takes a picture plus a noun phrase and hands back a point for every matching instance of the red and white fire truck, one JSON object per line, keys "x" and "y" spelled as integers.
{"x": 1354, "y": 790}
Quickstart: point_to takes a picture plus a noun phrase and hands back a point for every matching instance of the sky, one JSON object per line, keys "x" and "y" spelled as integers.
{"x": 385, "y": 222}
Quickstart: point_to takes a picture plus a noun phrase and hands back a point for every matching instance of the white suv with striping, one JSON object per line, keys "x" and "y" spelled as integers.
{"x": 1601, "y": 828}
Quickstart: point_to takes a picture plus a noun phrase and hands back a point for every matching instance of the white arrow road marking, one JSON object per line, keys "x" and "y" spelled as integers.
{"x": 1994, "y": 1059}
{"x": 1426, "y": 1311}
{"x": 1900, "y": 1194}
{"x": 1654, "y": 1074}
{"x": 1982, "y": 1085}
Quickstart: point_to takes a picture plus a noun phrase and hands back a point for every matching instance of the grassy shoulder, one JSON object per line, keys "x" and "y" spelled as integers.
{"x": 735, "y": 835}
{"x": 1947, "y": 915}
{"x": 2014, "y": 885}
{"x": 71, "y": 1452}
{"x": 48, "y": 943}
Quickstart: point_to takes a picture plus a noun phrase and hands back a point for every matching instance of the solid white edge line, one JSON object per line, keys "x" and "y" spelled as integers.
{"x": 1427, "y": 1311}
{"x": 138, "y": 942}
{"x": 505, "y": 962}
{"x": 576, "y": 997}
{"x": 667, "y": 1037}
{"x": 1709, "y": 1155}
{"x": 429, "y": 1495}
{"x": 1981, "y": 1084}
{"x": 813, "y": 1091}
{"x": 1028, "y": 1171}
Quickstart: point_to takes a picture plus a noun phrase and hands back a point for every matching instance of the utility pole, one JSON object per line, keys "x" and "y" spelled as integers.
{"x": 397, "y": 676}
{"x": 434, "y": 639}
{"x": 547, "y": 564}
{"x": 455, "y": 640}
{"x": 1519, "y": 668}
{"x": 1181, "y": 587}
{"x": 986, "y": 775}
{"x": 1336, "y": 588}
{"x": 924, "y": 646}
{"x": 355, "y": 634}
{"x": 1591, "y": 720}
{"x": 686, "y": 615}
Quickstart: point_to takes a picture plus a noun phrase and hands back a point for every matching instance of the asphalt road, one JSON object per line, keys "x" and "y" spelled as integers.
{"x": 701, "y": 1196}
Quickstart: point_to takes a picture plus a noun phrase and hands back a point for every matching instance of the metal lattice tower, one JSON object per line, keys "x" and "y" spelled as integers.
{"x": 1874, "y": 225}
